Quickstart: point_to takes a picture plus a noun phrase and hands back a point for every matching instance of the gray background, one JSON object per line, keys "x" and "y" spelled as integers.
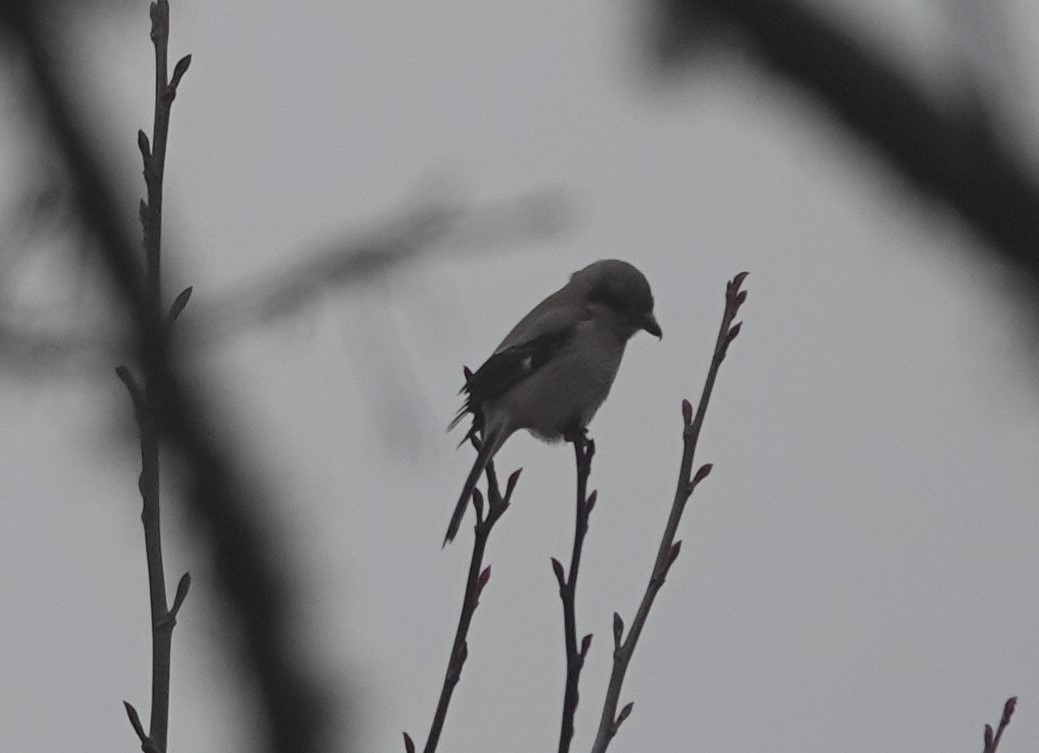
{"x": 858, "y": 573}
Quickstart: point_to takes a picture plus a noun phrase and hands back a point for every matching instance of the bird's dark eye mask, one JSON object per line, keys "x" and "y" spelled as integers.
{"x": 603, "y": 294}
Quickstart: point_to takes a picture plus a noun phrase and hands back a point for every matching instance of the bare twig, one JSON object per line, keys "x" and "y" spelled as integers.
{"x": 478, "y": 577}
{"x": 624, "y": 647}
{"x": 249, "y": 568}
{"x": 992, "y": 738}
{"x": 146, "y": 400}
{"x": 584, "y": 450}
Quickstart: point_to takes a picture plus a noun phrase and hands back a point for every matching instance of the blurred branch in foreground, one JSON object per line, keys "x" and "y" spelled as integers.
{"x": 251, "y": 567}
{"x": 362, "y": 257}
{"x": 954, "y": 156}
{"x": 406, "y": 237}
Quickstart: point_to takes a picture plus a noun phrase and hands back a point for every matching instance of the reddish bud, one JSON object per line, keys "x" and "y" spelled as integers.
{"x": 485, "y": 576}
{"x": 586, "y": 643}
{"x": 676, "y": 548}
{"x": 178, "y": 304}
{"x": 135, "y": 721}
{"x": 557, "y": 568}
{"x": 1008, "y": 710}
{"x": 989, "y": 735}
{"x": 590, "y": 502}
{"x": 618, "y": 629}
{"x": 738, "y": 279}
{"x": 625, "y": 712}
{"x": 179, "y": 70}
{"x": 741, "y": 298}
{"x": 734, "y": 331}
{"x": 687, "y": 412}
{"x": 143, "y": 145}
{"x": 703, "y": 472}
{"x": 409, "y": 744}
{"x": 511, "y": 483}
{"x": 182, "y": 593}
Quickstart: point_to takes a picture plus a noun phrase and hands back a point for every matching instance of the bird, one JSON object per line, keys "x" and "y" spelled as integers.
{"x": 556, "y": 366}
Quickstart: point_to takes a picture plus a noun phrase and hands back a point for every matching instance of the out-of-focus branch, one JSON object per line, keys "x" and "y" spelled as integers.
{"x": 147, "y": 397}
{"x": 992, "y": 738}
{"x": 624, "y": 646}
{"x": 478, "y": 577}
{"x": 253, "y": 583}
{"x": 584, "y": 450}
{"x": 364, "y": 257}
{"x": 956, "y": 157}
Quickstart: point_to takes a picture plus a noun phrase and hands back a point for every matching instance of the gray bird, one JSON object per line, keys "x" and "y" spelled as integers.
{"x": 554, "y": 369}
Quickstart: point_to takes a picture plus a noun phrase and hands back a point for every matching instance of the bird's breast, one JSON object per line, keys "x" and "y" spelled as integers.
{"x": 564, "y": 394}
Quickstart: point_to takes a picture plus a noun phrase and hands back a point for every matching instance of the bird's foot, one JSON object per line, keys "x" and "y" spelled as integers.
{"x": 577, "y": 436}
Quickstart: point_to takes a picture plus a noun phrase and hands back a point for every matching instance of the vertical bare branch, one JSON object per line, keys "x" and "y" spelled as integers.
{"x": 248, "y": 566}
{"x": 146, "y": 401}
{"x": 992, "y": 738}
{"x": 584, "y": 450}
{"x": 624, "y": 647}
{"x": 478, "y": 577}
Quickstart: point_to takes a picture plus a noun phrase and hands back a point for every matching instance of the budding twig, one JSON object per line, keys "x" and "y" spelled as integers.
{"x": 992, "y": 738}
{"x": 477, "y": 579}
{"x": 624, "y": 646}
{"x": 584, "y": 450}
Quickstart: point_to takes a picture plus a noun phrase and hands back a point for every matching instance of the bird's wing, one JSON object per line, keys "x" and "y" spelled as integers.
{"x": 559, "y": 311}
{"x": 522, "y": 353}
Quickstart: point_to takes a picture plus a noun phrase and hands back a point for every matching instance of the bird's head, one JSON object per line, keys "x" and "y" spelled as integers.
{"x": 623, "y": 294}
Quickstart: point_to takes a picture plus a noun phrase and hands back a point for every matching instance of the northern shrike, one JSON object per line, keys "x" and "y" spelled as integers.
{"x": 554, "y": 369}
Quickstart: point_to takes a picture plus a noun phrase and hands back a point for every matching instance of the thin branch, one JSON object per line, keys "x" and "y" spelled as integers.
{"x": 992, "y": 739}
{"x": 669, "y": 548}
{"x": 153, "y": 156}
{"x": 478, "y": 577}
{"x": 248, "y": 564}
{"x": 584, "y": 450}
{"x": 366, "y": 257}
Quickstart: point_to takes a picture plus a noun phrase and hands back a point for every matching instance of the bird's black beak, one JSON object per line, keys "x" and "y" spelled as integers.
{"x": 649, "y": 323}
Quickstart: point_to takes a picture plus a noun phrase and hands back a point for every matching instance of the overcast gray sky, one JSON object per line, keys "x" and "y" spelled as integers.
{"x": 858, "y": 573}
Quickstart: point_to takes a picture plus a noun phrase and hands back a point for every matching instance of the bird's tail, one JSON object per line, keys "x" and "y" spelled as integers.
{"x": 491, "y": 442}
